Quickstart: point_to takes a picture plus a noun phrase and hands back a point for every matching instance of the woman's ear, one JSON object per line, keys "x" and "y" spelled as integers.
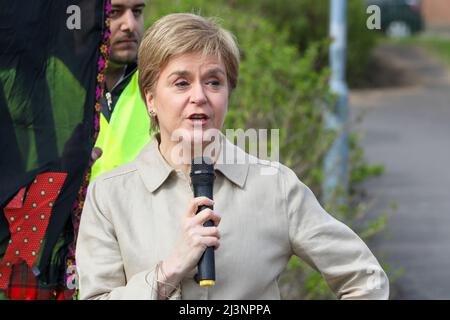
{"x": 149, "y": 100}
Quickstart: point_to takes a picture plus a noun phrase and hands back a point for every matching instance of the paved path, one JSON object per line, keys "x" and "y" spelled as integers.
{"x": 407, "y": 130}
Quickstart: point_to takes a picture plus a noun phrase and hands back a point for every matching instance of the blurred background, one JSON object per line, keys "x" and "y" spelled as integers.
{"x": 395, "y": 192}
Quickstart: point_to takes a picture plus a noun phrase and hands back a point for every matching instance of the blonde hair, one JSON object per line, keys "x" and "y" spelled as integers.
{"x": 183, "y": 33}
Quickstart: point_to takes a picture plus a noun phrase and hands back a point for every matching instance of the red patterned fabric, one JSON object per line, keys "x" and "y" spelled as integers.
{"x": 28, "y": 221}
{"x": 24, "y": 286}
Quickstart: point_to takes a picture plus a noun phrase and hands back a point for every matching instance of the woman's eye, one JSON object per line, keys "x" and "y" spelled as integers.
{"x": 182, "y": 84}
{"x": 214, "y": 83}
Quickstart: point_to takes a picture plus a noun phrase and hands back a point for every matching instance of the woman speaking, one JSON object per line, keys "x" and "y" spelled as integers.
{"x": 140, "y": 235}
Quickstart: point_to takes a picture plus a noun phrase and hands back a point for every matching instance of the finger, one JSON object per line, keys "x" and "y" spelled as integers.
{"x": 210, "y": 241}
{"x": 216, "y": 219}
{"x": 196, "y": 202}
{"x": 96, "y": 153}
{"x": 208, "y": 232}
{"x": 205, "y": 215}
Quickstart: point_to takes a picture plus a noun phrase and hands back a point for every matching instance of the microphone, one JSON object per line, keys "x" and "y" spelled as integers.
{"x": 202, "y": 178}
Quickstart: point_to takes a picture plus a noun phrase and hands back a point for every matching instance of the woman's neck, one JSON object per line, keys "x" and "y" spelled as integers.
{"x": 166, "y": 149}
{"x": 170, "y": 149}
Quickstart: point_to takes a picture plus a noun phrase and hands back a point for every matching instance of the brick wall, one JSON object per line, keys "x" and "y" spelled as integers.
{"x": 436, "y": 13}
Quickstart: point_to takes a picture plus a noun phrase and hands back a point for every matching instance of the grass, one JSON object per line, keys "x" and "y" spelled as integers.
{"x": 438, "y": 46}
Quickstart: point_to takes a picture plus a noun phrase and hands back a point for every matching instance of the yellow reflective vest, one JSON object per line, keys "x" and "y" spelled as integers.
{"x": 126, "y": 133}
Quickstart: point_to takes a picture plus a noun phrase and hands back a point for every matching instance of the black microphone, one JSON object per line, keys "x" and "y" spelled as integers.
{"x": 202, "y": 178}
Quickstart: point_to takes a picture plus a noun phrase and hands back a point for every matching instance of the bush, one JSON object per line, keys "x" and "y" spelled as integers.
{"x": 307, "y": 21}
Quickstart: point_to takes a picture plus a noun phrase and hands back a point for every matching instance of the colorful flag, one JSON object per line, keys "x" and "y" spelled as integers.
{"x": 52, "y": 57}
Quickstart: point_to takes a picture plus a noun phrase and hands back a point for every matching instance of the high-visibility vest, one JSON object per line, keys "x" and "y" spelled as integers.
{"x": 127, "y": 132}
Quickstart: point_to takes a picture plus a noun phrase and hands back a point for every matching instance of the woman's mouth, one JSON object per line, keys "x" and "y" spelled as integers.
{"x": 199, "y": 119}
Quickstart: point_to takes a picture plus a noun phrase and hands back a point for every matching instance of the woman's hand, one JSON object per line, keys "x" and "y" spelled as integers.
{"x": 193, "y": 241}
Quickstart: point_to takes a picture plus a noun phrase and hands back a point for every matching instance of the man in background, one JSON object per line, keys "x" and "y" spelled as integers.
{"x": 124, "y": 123}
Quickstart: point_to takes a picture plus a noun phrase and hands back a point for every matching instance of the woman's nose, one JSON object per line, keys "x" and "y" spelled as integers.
{"x": 198, "y": 95}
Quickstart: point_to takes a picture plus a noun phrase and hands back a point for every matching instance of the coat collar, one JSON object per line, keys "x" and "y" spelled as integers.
{"x": 154, "y": 170}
